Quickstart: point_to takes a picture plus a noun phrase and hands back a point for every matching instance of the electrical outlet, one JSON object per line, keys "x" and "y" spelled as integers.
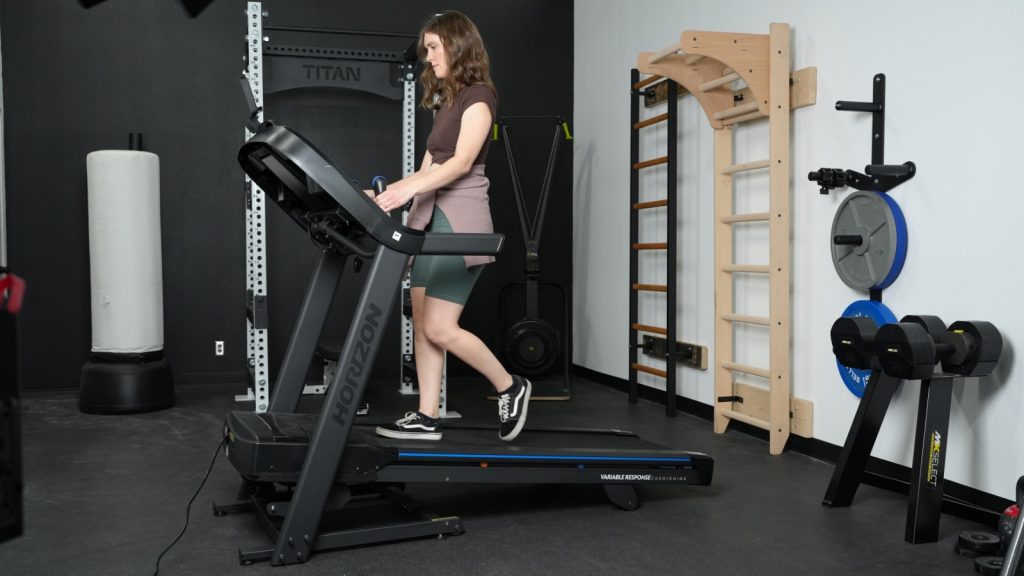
{"x": 218, "y": 347}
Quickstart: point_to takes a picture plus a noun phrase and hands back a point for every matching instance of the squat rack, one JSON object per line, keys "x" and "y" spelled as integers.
{"x": 290, "y": 67}
{"x": 736, "y": 78}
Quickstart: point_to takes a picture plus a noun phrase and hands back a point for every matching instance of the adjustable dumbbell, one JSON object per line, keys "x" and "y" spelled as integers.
{"x": 977, "y": 346}
{"x": 911, "y": 348}
{"x": 853, "y": 342}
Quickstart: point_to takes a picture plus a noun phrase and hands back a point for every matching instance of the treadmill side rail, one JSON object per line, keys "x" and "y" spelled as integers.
{"x": 698, "y": 474}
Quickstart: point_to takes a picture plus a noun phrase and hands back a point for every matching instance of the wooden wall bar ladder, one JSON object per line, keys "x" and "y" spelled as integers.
{"x": 669, "y": 245}
{"x": 739, "y": 78}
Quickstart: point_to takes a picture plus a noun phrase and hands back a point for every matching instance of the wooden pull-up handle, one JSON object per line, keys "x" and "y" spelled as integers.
{"x": 651, "y": 329}
{"x": 755, "y": 115}
{"x": 663, "y": 53}
{"x": 707, "y": 86}
{"x": 649, "y": 80}
{"x": 746, "y": 166}
{"x": 747, "y": 369}
{"x": 749, "y": 217}
{"x": 748, "y": 268}
{"x": 651, "y": 204}
{"x": 747, "y": 419}
{"x": 651, "y": 287}
{"x": 651, "y": 162}
{"x": 746, "y": 319}
{"x": 651, "y": 120}
{"x": 735, "y": 111}
{"x": 649, "y": 370}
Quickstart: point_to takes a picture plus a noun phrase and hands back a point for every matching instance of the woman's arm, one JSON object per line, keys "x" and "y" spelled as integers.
{"x": 476, "y": 127}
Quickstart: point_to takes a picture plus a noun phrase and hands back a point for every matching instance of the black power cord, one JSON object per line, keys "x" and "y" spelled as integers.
{"x": 188, "y": 508}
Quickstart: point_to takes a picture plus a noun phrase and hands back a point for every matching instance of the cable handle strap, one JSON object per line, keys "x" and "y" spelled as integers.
{"x": 532, "y": 227}
{"x": 510, "y": 120}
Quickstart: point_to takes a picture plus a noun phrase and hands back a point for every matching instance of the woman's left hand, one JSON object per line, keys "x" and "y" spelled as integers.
{"x": 394, "y": 197}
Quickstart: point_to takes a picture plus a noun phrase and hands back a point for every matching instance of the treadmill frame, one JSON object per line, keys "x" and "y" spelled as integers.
{"x": 342, "y": 219}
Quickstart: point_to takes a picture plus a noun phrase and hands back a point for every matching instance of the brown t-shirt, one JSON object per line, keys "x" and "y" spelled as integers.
{"x": 448, "y": 121}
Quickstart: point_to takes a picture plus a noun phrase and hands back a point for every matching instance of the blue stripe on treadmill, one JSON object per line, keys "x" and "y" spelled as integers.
{"x": 538, "y": 457}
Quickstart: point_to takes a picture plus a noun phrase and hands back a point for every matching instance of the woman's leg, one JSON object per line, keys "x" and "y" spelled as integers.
{"x": 440, "y": 325}
{"x": 429, "y": 358}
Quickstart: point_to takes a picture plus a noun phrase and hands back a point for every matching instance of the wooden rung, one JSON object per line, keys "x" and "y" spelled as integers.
{"x": 651, "y": 287}
{"x": 735, "y": 111}
{"x": 650, "y": 246}
{"x": 646, "y": 81}
{"x": 751, "y": 217}
{"x": 651, "y": 162}
{"x": 649, "y": 370}
{"x": 693, "y": 59}
{"x": 651, "y": 329}
{"x": 746, "y": 369}
{"x": 651, "y": 120}
{"x": 757, "y": 115}
{"x": 753, "y": 268}
{"x": 651, "y": 204}
{"x": 746, "y": 419}
{"x": 663, "y": 53}
{"x": 746, "y": 319}
{"x": 732, "y": 77}
{"x": 746, "y": 166}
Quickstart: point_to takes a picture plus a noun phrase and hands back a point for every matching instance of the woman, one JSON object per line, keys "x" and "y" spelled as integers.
{"x": 449, "y": 194}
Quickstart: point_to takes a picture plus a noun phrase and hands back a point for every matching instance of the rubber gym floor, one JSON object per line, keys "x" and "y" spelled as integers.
{"x": 106, "y": 494}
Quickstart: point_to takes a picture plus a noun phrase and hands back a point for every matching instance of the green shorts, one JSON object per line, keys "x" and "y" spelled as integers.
{"x": 444, "y": 277}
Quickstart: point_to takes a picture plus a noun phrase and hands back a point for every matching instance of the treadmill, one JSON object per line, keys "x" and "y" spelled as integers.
{"x": 301, "y": 472}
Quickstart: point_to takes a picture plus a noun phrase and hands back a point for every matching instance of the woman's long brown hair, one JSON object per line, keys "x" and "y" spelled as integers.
{"x": 466, "y": 56}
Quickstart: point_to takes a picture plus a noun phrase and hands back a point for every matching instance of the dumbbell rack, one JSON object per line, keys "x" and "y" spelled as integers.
{"x": 930, "y": 437}
{"x": 877, "y": 394}
{"x": 909, "y": 350}
{"x": 931, "y": 429}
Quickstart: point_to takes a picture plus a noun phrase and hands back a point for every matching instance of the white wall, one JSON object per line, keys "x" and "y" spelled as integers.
{"x": 952, "y": 108}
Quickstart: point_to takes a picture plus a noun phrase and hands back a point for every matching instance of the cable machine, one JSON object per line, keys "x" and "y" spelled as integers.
{"x": 532, "y": 346}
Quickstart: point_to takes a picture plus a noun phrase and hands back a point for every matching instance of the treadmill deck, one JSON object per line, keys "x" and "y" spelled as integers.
{"x": 272, "y": 447}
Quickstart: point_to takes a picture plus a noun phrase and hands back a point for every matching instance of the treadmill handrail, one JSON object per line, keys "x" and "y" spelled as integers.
{"x": 453, "y": 243}
{"x": 285, "y": 144}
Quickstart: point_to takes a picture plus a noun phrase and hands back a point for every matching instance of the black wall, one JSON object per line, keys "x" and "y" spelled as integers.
{"x": 79, "y": 80}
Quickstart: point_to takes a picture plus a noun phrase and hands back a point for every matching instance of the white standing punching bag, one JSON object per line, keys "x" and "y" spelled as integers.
{"x": 127, "y": 371}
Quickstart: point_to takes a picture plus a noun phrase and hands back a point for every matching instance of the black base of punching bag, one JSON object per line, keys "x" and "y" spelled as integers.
{"x": 126, "y": 384}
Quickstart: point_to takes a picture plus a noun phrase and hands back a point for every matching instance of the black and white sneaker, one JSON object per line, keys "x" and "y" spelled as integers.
{"x": 415, "y": 426}
{"x": 512, "y": 405}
